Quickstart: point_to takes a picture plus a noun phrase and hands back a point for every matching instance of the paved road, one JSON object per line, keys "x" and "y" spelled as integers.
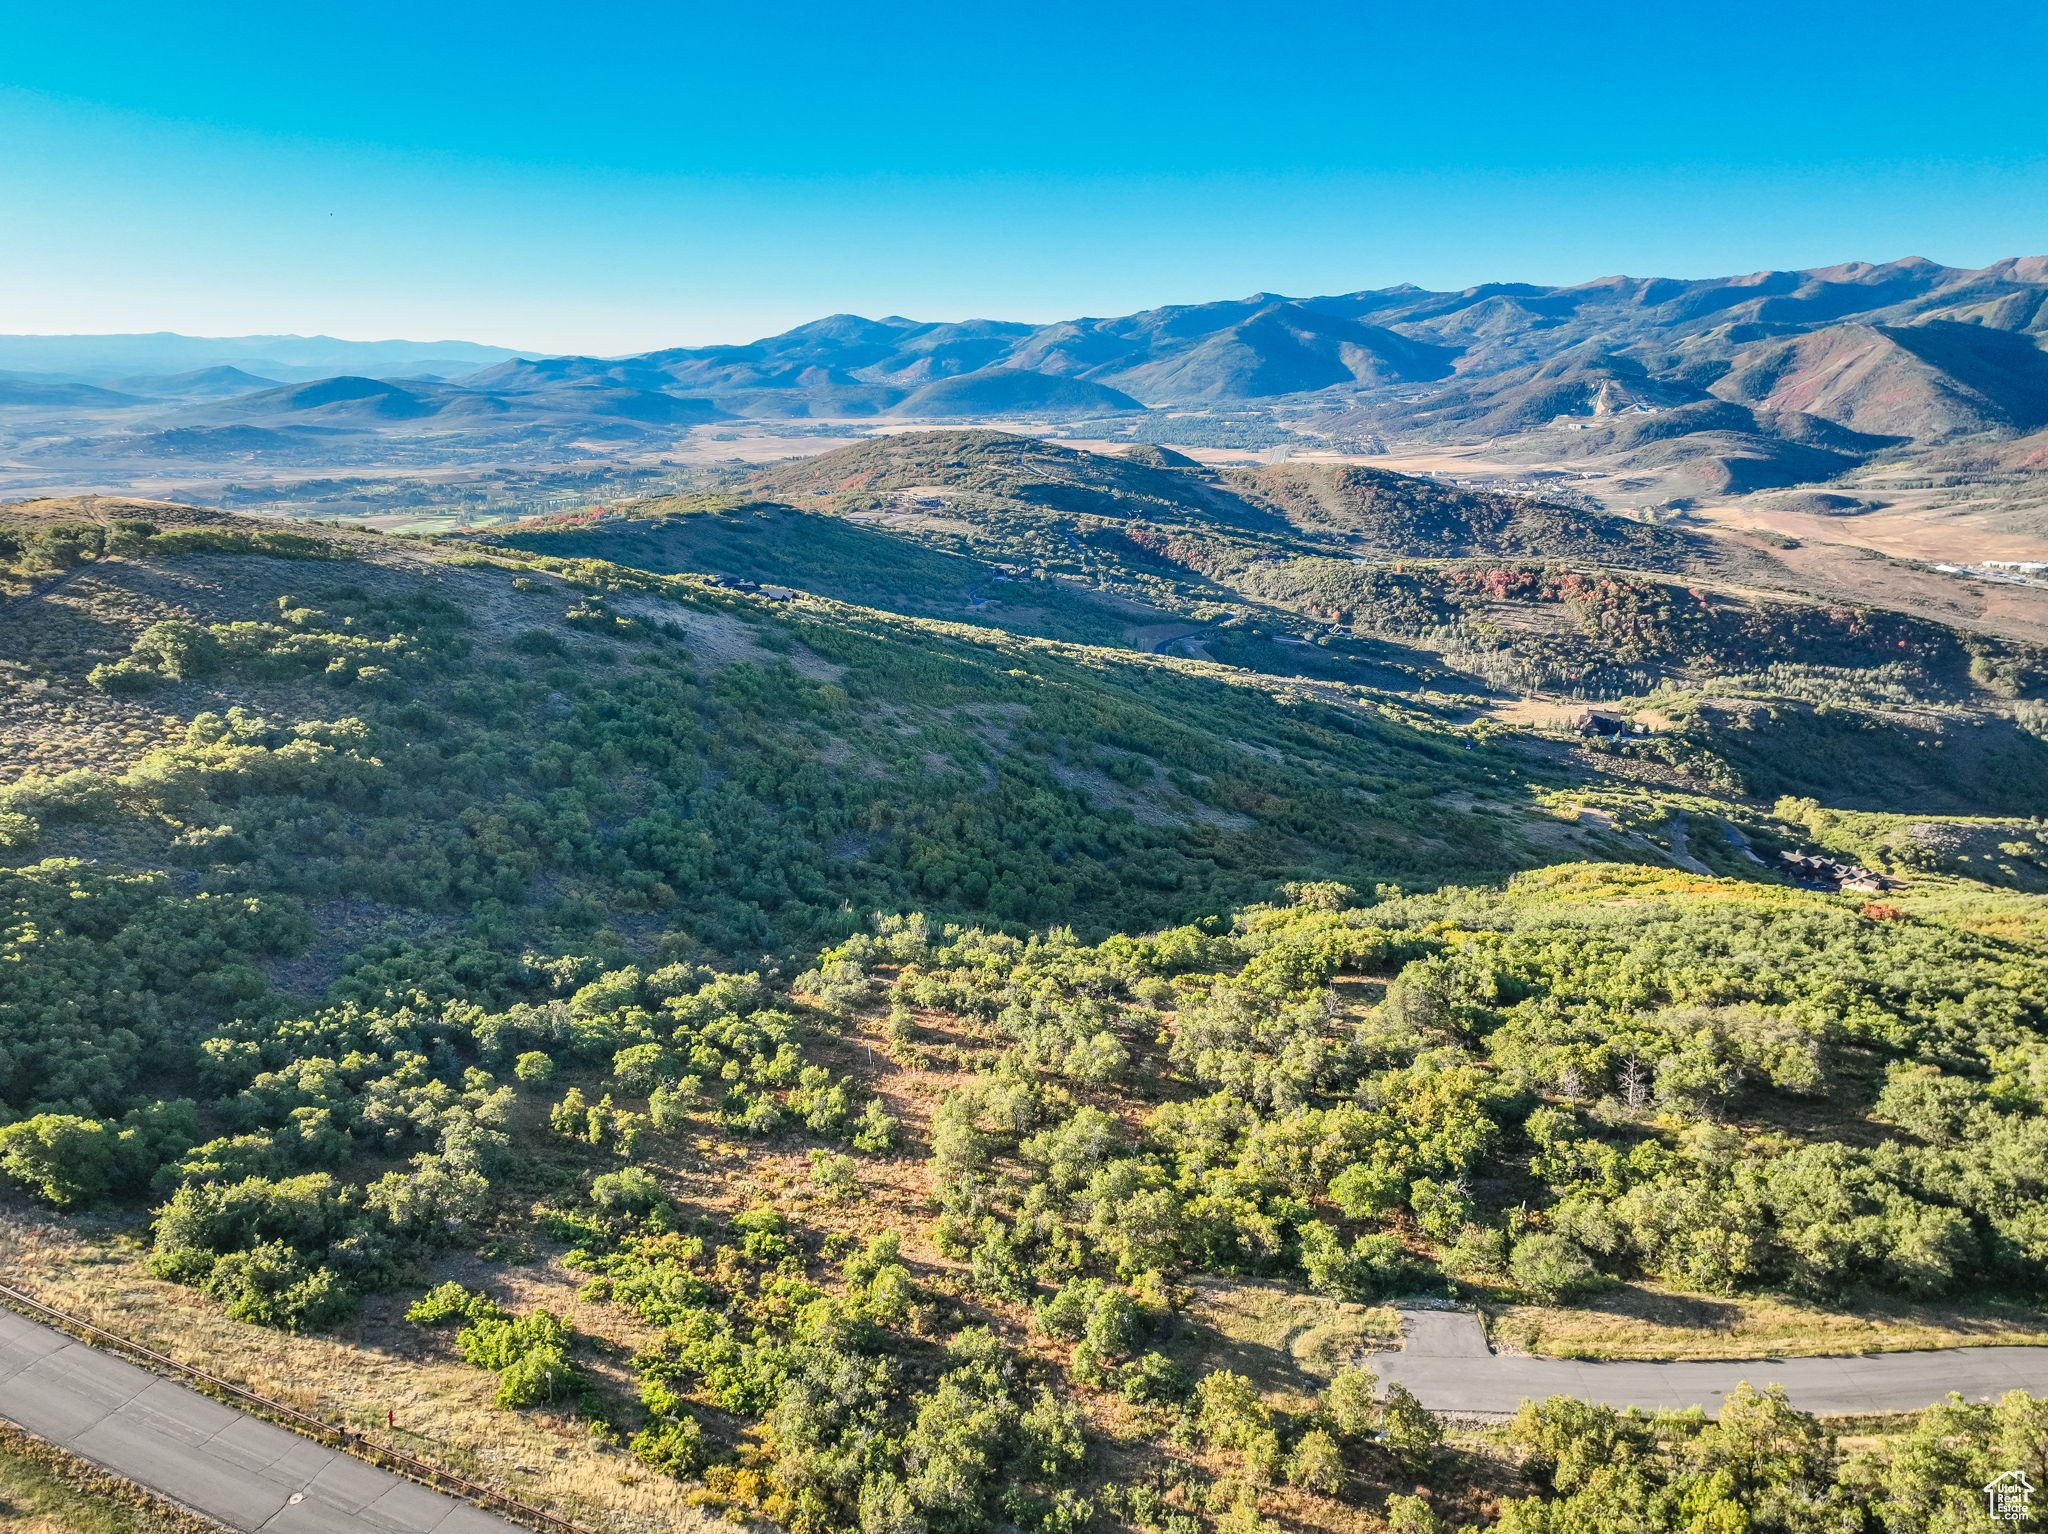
{"x": 240, "y": 1470}
{"x": 1446, "y": 1361}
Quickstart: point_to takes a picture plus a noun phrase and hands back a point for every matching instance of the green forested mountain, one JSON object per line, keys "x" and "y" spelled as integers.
{"x": 888, "y": 1052}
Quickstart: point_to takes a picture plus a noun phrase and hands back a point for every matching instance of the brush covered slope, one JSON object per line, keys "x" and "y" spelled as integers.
{"x": 888, "y": 744}
{"x": 875, "y": 523}
{"x": 1331, "y": 504}
{"x": 459, "y": 959}
{"x": 1352, "y": 575}
{"x": 743, "y": 537}
{"x": 1395, "y": 515}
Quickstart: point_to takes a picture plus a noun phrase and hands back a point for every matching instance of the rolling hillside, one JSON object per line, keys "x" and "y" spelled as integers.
{"x": 890, "y": 745}
{"x": 43, "y": 393}
{"x": 1011, "y": 391}
{"x": 1332, "y": 505}
{"x": 376, "y": 402}
{"x": 740, "y": 1052}
{"x": 1391, "y": 515}
{"x": 1005, "y": 467}
{"x": 198, "y": 383}
{"x": 1417, "y": 590}
{"x": 849, "y": 560}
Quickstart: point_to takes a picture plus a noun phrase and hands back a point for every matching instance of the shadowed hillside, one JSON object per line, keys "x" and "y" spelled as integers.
{"x": 833, "y": 556}
{"x": 1338, "y": 573}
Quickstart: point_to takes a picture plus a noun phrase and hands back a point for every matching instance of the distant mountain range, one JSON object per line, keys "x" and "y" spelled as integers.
{"x": 1907, "y": 348}
{"x": 1258, "y": 348}
{"x": 1729, "y": 383}
{"x": 375, "y": 401}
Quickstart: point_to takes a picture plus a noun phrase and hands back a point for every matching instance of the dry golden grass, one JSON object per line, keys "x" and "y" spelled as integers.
{"x": 1645, "y": 1321}
{"x": 443, "y": 1406}
{"x": 1285, "y": 1341}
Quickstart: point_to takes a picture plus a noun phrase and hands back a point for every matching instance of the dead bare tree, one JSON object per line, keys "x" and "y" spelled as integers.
{"x": 1635, "y": 1083}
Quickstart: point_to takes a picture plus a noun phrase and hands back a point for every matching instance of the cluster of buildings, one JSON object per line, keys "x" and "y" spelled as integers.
{"x": 1816, "y": 872}
{"x": 2010, "y": 572}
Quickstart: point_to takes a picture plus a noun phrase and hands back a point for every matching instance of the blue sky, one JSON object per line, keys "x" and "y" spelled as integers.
{"x": 616, "y": 176}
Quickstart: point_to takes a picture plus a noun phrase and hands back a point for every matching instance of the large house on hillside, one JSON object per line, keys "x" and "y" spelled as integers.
{"x": 1817, "y": 872}
{"x": 1595, "y": 721}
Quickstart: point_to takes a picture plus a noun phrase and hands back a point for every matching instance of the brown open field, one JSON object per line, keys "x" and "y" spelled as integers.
{"x": 1916, "y": 525}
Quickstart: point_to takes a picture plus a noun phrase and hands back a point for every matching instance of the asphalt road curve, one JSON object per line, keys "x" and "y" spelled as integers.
{"x": 237, "y": 1469}
{"x": 1446, "y": 1362}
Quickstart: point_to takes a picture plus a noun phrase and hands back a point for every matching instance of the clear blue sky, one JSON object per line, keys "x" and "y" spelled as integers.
{"x": 611, "y": 176}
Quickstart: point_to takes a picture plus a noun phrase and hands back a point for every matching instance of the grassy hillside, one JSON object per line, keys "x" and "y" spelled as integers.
{"x": 1365, "y": 578}
{"x": 1002, "y": 467}
{"x": 707, "y": 1055}
{"x": 1192, "y": 541}
{"x": 746, "y": 766}
{"x": 1362, "y": 510}
{"x": 1026, "y": 536}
